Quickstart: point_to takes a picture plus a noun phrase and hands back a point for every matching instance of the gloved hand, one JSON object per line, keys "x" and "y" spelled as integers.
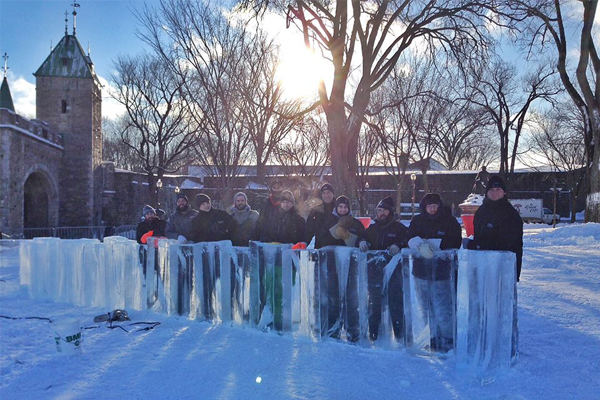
{"x": 415, "y": 242}
{"x": 393, "y": 250}
{"x": 363, "y": 246}
{"x": 146, "y": 235}
{"x": 426, "y": 250}
{"x": 343, "y": 233}
{"x": 182, "y": 239}
{"x": 346, "y": 221}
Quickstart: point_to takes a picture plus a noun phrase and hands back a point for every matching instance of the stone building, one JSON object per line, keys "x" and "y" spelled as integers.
{"x": 49, "y": 163}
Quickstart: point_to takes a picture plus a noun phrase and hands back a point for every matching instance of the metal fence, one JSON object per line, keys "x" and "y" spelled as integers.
{"x": 78, "y": 232}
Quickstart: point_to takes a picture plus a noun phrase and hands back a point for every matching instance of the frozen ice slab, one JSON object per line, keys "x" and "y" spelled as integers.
{"x": 486, "y": 316}
{"x": 430, "y": 301}
{"x": 240, "y": 296}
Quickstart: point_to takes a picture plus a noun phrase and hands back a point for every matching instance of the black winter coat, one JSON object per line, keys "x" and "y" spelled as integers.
{"x": 156, "y": 225}
{"x": 442, "y": 225}
{"x": 267, "y": 221}
{"x": 289, "y": 229}
{"x": 498, "y": 226}
{"x": 316, "y": 218}
{"x": 382, "y": 234}
{"x": 212, "y": 226}
{"x": 324, "y": 238}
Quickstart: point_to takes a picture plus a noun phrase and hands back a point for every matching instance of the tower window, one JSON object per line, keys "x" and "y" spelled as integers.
{"x": 63, "y": 106}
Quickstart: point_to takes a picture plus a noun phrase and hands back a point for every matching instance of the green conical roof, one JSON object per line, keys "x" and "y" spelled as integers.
{"x": 67, "y": 60}
{"x": 5, "y": 96}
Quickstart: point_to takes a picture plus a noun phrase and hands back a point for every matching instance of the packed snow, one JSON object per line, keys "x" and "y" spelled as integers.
{"x": 559, "y": 346}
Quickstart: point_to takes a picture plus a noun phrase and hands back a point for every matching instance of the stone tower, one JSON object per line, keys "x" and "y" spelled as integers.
{"x": 68, "y": 98}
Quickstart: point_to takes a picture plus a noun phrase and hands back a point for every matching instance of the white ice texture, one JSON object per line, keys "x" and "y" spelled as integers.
{"x": 486, "y": 312}
{"x": 335, "y": 292}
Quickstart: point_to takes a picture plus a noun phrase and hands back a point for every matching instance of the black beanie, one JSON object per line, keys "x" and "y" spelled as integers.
{"x": 496, "y": 182}
{"x": 201, "y": 199}
{"x": 182, "y": 196}
{"x": 430, "y": 198}
{"x": 387, "y": 203}
{"x": 342, "y": 200}
{"x": 327, "y": 186}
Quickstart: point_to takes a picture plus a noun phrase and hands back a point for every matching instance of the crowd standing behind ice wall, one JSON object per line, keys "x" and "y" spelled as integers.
{"x": 457, "y": 302}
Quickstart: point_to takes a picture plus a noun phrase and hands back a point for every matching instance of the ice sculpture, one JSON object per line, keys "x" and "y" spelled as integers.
{"x": 486, "y": 316}
{"x": 429, "y": 300}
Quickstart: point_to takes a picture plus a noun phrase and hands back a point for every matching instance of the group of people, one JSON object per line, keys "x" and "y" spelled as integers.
{"x": 497, "y": 224}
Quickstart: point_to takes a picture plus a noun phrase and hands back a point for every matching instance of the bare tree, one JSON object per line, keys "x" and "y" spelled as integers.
{"x": 113, "y": 148}
{"x": 556, "y": 140}
{"x": 368, "y": 150}
{"x": 544, "y": 23}
{"x": 495, "y": 90}
{"x": 378, "y": 33}
{"x": 158, "y": 126}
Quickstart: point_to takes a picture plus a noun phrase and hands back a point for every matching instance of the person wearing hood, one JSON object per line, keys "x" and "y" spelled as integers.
{"x": 245, "y": 219}
{"x": 179, "y": 224}
{"x": 434, "y": 222}
{"x": 211, "y": 225}
{"x": 387, "y": 233}
{"x": 268, "y": 218}
{"x": 340, "y": 228}
{"x": 497, "y": 225}
{"x": 317, "y": 214}
{"x": 149, "y": 223}
{"x": 433, "y": 277}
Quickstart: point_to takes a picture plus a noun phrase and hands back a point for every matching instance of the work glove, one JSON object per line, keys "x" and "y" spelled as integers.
{"x": 181, "y": 239}
{"x": 146, "y": 235}
{"x": 343, "y": 233}
{"x": 346, "y": 221}
{"x": 415, "y": 242}
{"x": 393, "y": 250}
{"x": 426, "y": 250}
{"x": 363, "y": 246}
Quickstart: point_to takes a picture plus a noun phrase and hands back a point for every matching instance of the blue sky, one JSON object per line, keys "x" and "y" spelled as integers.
{"x": 27, "y": 27}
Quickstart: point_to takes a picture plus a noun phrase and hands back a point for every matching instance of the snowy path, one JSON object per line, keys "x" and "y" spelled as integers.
{"x": 559, "y": 320}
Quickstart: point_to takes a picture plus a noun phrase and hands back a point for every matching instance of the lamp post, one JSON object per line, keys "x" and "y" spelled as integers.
{"x": 159, "y": 185}
{"x": 554, "y": 189}
{"x": 413, "y": 178}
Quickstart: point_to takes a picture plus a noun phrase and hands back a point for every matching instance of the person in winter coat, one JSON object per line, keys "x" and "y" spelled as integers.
{"x": 433, "y": 277}
{"x": 497, "y": 225}
{"x": 389, "y": 234}
{"x": 150, "y": 223}
{"x": 245, "y": 219}
{"x": 269, "y": 214}
{"x": 436, "y": 222}
{"x": 317, "y": 214}
{"x": 386, "y": 233}
{"x": 481, "y": 181}
{"x": 211, "y": 225}
{"x": 340, "y": 228}
{"x": 179, "y": 224}
{"x": 290, "y": 228}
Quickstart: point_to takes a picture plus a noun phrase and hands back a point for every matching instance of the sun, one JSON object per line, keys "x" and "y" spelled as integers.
{"x": 300, "y": 71}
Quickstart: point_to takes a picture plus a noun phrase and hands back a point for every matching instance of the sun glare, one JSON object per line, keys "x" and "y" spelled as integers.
{"x": 300, "y": 71}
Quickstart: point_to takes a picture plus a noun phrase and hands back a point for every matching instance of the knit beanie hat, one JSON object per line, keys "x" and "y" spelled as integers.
{"x": 387, "y": 203}
{"x": 496, "y": 182}
{"x": 342, "y": 200}
{"x": 148, "y": 209}
{"x": 238, "y": 194}
{"x": 287, "y": 195}
{"x": 430, "y": 198}
{"x": 326, "y": 186}
{"x": 182, "y": 196}
{"x": 201, "y": 199}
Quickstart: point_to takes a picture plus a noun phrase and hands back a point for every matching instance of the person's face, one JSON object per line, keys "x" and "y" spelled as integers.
{"x": 240, "y": 203}
{"x": 205, "y": 206}
{"x": 181, "y": 203}
{"x": 432, "y": 208}
{"x": 150, "y": 216}
{"x": 495, "y": 194}
{"x": 342, "y": 209}
{"x": 382, "y": 213}
{"x": 276, "y": 191}
{"x": 327, "y": 196}
{"x": 286, "y": 205}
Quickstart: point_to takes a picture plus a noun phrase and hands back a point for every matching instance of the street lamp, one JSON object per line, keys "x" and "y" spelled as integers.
{"x": 554, "y": 189}
{"x": 159, "y": 185}
{"x": 177, "y": 190}
{"x": 413, "y": 178}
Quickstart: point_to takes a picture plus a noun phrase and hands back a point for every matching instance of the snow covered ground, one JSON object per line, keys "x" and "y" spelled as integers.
{"x": 559, "y": 323}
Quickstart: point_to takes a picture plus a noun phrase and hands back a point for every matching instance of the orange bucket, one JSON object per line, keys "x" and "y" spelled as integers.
{"x": 467, "y": 220}
{"x": 366, "y": 221}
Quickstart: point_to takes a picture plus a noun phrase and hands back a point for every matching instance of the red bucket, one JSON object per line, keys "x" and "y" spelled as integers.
{"x": 467, "y": 220}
